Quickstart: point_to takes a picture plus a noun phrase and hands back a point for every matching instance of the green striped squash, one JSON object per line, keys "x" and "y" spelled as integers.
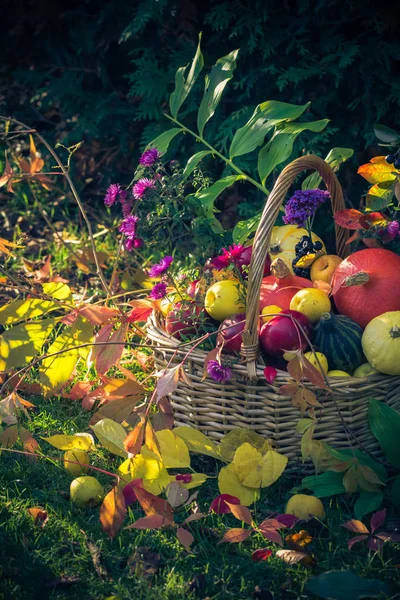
{"x": 339, "y": 338}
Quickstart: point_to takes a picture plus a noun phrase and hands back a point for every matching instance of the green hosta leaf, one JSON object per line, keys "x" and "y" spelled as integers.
{"x": 21, "y": 310}
{"x": 345, "y": 585}
{"x": 296, "y": 128}
{"x": 20, "y": 344}
{"x": 385, "y": 424}
{"x": 163, "y": 141}
{"x": 334, "y": 158}
{"x": 55, "y": 370}
{"x": 387, "y": 135}
{"x": 215, "y": 84}
{"x": 182, "y": 86}
{"x": 324, "y": 485}
{"x": 366, "y": 503}
{"x": 265, "y": 116}
{"x": 205, "y": 198}
{"x": 194, "y": 161}
{"x": 111, "y": 436}
{"x": 243, "y": 229}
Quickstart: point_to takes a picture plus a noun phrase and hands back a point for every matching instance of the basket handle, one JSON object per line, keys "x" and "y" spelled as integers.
{"x": 250, "y": 347}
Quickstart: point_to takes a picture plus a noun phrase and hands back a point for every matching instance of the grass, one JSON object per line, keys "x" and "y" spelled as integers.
{"x": 55, "y": 561}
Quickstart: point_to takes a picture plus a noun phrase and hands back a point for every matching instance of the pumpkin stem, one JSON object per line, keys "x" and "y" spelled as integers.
{"x": 275, "y": 249}
{"x": 395, "y": 331}
{"x": 357, "y": 279}
{"x": 279, "y": 269}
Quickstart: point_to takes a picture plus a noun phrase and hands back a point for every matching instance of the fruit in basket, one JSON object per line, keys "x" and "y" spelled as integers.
{"x": 71, "y": 457}
{"x": 367, "y": 284}
{"x": 230, "y": 333}
{"x": 284, "y": 240}
{"x": 270, "y": 311}
{"x": 193, "y": 288}
{"x": 312, "y": 302}
{"x": 86, "y": 492}
{"x": 364, "y": 370}
{"x": 304, "y": 507}
{"x": 168, "y": 302}
{"x": 280, "y": 287}
{"x": 224, "y": 299}
{"x": 339, "y": 338}
{"x": 244, "y": 258}
{"x": 337, "y": 373}
{"x": 312, "y": 358}
{"x": 281, "y": 334}
{"x": 182, "y": 319}
{"x": 381, "y": 343}
{"x": 324, "y": 267}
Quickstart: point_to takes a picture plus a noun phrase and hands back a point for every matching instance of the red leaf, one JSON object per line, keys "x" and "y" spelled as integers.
{"x": 79, "y": 390}
{"x": 261, "y": 554}
{"x": 150, "y": 522}
{"x": 287, "y": 520}
{"x": 28, "y": 441}
{"x": 108, "y": 355}
{"x": 294, "y": 368}
{"x": 349, "y": 218}
{"x": 129, "y": 491}
{"x": 235, "y": 535}
{"x": 375, "y": 544}
{"x": 288, "y": 389}
{"x": 352, "y": 238}
{"x": 355, "y": 540}
{"x": 185, "y": 477}
{"x": 153, "y": 505}
{"x": 185, "y": 537}
{"x": 194, "y": 517}
{"x": 270, "y": 374}
{"x": 355, "y": 526}
{"x": 372, "y": 219}
{"x": 142, "y": 309}
{"x": 377, "y": 519}
{"x": 134, "y": 440}
{"x": 313, "y": 374}
{"x": 113, "y": 511}
{"x": 242, "y": 513}
{"x": 220, "y": 503}
{"x": 272, "y": 535}
{"x": 97, "y": 315}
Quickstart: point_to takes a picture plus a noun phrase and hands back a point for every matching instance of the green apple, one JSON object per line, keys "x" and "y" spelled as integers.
{"x": 79, "y": 456}
{"x": 364, "y": 370}
{"x": 224, "y": 299}
{"x": 86, "y": 492}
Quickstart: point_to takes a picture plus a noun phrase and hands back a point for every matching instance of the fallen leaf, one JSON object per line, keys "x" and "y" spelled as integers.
{"x": 96, "y": 559}
{"x": 176, "y": 494}
{"x": 291, "y": 557}
{"x": 150, "y": 522}
{"x": 261, "y": 554}
{"x": 241, "y": 513}
{"x": 220, "y": 504}
{"x": 134, "y": 440}
{"x": 185, "y": 537}
{"x": 113, "y": 511}
{"x": 40, "y": 515}
{"x": 144, "y": 562}
{"x": 153, "y": 505}
{"x": 235, "y": 535}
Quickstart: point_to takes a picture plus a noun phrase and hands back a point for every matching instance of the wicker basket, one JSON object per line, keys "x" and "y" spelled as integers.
{"x": 247, "y": 400}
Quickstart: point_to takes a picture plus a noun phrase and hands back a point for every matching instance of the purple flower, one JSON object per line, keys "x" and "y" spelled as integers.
{"x": 126, "y": 208}
{"x": 141, "y": 186}
{"x": 149, "y": 157}
{"x": 158, "y": 291}
{"x": 161, "y": 267}
{"x": 128, "y": 226}
{"x": 302, "y": 205}
{"x": 393, "y": 228}
{"x": 112, "y": 194}
{"x": 138, "y": 243}
{"x": 218, "y": 372}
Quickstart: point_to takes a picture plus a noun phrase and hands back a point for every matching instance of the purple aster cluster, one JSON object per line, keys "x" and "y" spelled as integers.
{"x": 218, "y": 372}
{"x": 128, "y": 226}
{"x": 141, "y": 186}
{"x": 149, "y": 157}
{"x": 303, "y": 205}
{"x": 133, "y": 244}
{"x": 161, "y": 267}
{"x": 113, "y": 194}
{"x": 158, "y": 291}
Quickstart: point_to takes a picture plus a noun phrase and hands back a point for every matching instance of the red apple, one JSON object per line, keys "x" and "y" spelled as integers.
{"x": 244, "y": 259}
{"x": 230, "y": 333}
{"x": 280, "y": 334}
{"x": 182, "y": 318}
{"x": 192, "y": 288}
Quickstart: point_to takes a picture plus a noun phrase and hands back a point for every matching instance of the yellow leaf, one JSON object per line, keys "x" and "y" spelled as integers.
{"x": 196, "y": 441}
{"x": 58, "y": 291}
{"x": 229, "y": 483}
{"x": 19, "y": 344}
{"x": 78, "y": 441}
{"x": 147, "y": 467}
{"x": 21, "y": 310}
{"x": 306, "y": 261}
{"x": 255, "y": 470}
{"x": 111, "y": 436}
{"x": 197, "y": 479}
{"x": 235, "y": 438}
{"x": 377, "y": 172}
{"x": 174, "y": 452}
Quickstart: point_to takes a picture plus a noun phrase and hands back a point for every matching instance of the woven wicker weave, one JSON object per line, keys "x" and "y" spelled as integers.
{"x": 247, "y": 400}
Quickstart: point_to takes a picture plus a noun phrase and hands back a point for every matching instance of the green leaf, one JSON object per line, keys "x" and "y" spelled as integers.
{"x": 194, "y": 161}
{"x": 205, "y": 198}
{"x": 334, "y": 158}
{"x": 265, "y": 116}
{"x": 163, "y": 141}
{"x": 182, "y": 86}
{"x": 243, "y": 229}
{"x": 21, "y": 310}
{"x": 55, "y": 371}
{"x": 366, "y": 503}
{"x": 324, "y": 485}
{"x": 20, "y": 344}
{"x": 111, "y": 436}
{"x": 380, "y": 195}
{"x": 345, "y": 585}
{"x": 315, "y": 126}
{"x": 364, "y": 459}
{"x": 395, "y": 491}
{"x": 387, "y": 135}
{"x": 385, "y": 424}
{"x": 215, "y": 84}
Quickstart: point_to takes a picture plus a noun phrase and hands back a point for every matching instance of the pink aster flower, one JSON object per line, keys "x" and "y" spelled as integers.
{"x": 161, "y": 267}
{"x": 149, "y": 157}
{"x": 218, "y": 372}
{"x": 159, "y": 291}
{"x": 113, "y": 194}
{"x": 128, "y": 226}
{"x": 126, "y": 207}
{"x": 141, "y": 186}
{"x": 229, "y": 255}
{"x": 138, "y": 243}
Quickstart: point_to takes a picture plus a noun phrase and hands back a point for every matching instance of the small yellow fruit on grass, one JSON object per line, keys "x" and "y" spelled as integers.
{"x": 304, "y": 507}
{"x": 86, "y": 492}
{"x": 269, "y": 312}
{"x": 337, "y": 373}
{"x": 323, "y": 267}
{"x": 224, "y": 299}
{"x": 79, "y": 456}
{"x": 323, "y": 362}
{"x": 364, "y": 370}
{"x": 311, "y": 302}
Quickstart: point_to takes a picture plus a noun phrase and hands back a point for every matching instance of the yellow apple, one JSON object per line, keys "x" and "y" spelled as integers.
{"x": 79, "y": 456}
{"x": 86, "y": 492}
{"x": 364, "y": 370}
{"x": 224, "y": 299}
{"x": 323, "y": 267}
